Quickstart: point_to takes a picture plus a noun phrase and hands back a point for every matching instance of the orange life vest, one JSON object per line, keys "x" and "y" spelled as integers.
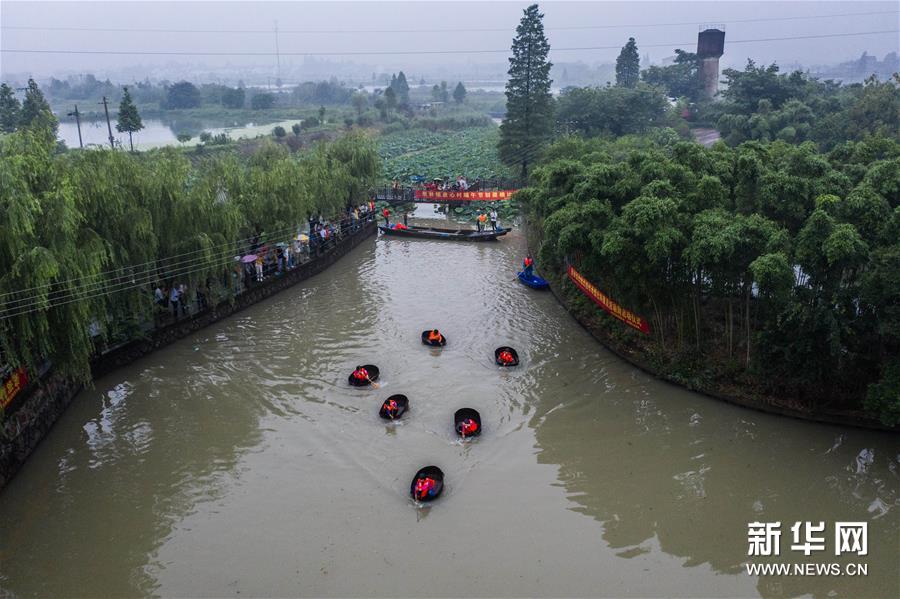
{"x": 434, "y": 335}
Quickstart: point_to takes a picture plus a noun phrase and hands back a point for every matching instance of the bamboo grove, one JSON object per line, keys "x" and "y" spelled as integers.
{"x": 86, "y": 235}
{"x": 768, "y": 268}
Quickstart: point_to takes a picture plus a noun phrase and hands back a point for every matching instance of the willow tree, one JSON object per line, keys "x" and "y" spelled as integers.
{"x": 49, "y": 255}
{"x": 528, "y": 124}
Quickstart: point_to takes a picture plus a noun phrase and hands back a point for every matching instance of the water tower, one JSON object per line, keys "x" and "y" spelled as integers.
{"x": 710, "y": 47}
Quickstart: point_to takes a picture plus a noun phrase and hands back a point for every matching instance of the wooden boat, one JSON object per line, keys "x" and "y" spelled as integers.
{"x": 440, "y": 343}
{"x": 437, "y": 233}
{"x": 373, "y": 376}
{"x": 427, "y": 492}
{"x": 533, "y": 281}
{"x": 514, "y": 353}
{"x": 467, "y": 422}
{"x": 394, "y": 407}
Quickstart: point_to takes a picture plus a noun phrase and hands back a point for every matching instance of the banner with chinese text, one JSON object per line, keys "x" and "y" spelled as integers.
{"x": 12, "y": 386}
{"x": 464, "y": 196}
{"x": 602, "y": 300}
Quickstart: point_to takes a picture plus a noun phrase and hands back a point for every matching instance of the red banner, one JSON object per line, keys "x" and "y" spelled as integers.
{"x": 464, "y": 196}
{"x": 12, "y": 386}
{"x": 603, "y": 300}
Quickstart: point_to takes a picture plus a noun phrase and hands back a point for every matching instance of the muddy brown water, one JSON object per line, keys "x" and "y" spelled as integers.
{"x": 238, "y": 462}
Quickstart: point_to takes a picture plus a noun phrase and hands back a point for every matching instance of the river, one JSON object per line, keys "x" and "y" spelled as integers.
{"x": 238, "y": 462}
{"x": 157, "y": 133}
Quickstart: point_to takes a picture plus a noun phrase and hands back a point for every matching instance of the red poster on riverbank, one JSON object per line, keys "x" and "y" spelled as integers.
{"x": 464, "y": 196}
{"x": 12, "y": 386}
{"x": 611, "y": 307}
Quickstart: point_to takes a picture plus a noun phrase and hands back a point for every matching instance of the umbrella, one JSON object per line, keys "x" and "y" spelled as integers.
{"x": 249, "y": 258}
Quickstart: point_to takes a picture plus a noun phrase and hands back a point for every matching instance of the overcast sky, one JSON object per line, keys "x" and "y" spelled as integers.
{"x": 336, "y": 27}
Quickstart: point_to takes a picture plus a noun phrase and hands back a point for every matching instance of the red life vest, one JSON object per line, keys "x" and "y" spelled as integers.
{"x": 506, "y": 357}
{"x": 423, "y": 487}
{"x": 361, "y": 374}
{"x": 386, "y": 212}
{"x": 391, "y": 407}
{"x": 468, "y": 427}
{"x": 528, "y": 262}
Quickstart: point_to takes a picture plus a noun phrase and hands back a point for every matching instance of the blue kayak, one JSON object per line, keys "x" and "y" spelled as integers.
{"x": 534, "y": 281}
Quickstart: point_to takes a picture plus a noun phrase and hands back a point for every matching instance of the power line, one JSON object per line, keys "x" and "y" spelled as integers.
{"x": 420, "y": 51}
{"x": 82, "y": 294}
{"x": 156, "y": 263}
{"x": 432, "y": 31}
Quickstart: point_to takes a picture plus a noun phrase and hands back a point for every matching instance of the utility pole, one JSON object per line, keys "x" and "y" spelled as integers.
{"x": 77, "y": 116}
{"x": 112, "y": 140}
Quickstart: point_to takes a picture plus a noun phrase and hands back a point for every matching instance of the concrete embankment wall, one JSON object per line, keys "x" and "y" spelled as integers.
{"x": 23, "y": 429}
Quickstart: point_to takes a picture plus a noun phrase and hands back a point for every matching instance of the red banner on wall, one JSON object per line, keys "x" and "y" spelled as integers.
{"x": 603, "y": 300}
{"x": 12, "y": 386}
{"x": 464, "y": 196}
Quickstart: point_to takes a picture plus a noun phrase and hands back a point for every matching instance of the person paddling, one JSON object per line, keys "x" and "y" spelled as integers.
{"x": 468, "y": 427}
{"x": 425, "y": 487}
{"x": 434, "y": 336}
{"x": 528, "y": 266}
{"x": 506, "y": 358}
{"x": 482, "y": 221}
{"x": 361, "y": 374}
{"x": 391, "y": 407}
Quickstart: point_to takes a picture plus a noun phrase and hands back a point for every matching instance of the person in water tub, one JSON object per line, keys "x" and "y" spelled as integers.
{"x": 425, "y": 487}
{"x": 506, "y": 358}
{"x": 361, "y": 374}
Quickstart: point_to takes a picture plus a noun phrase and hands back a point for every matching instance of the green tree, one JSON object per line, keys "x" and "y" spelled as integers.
{"x": 628, "y": 65}
{"x": 296, "y": 128}
{"x": 262, "y": 101}
{"x": 9, "y": 109}
{"x": 528, "y": 123}
{"x": 360, "y": 103}
{"x": 322, "y": 114}
{"x": 401, "y": 89}
{"x": 36, "y": 111}
{"x": 183, "y": 94}
{"x": 680, "y": 79}
{"x": 279, "y": 131}
{"x": 183, "y": 137}
{"x": 390, "y": 99}
{"x": 233, "y": 97}
{"x": 128, "y": 118}
{"x": 459, "y": 93}
{"x": 615, "y": 110}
